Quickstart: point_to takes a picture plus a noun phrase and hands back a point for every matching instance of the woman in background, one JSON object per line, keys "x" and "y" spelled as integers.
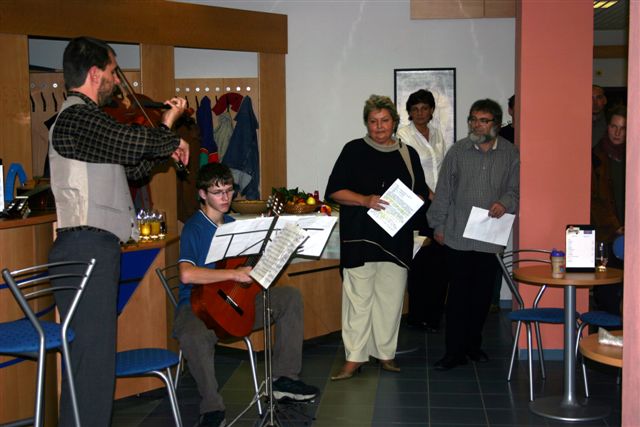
{"x": 607, "y": 198}
{"x": 427, "y": 279}
{"x": 374, "y": 264}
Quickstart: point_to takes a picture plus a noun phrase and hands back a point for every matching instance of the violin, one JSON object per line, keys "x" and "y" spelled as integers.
{"x": 138, "y": 109}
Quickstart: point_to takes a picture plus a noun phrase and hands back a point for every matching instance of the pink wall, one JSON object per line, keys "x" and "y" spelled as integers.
{"x": 631, "y": 350}
{"x": 553, "y": 105}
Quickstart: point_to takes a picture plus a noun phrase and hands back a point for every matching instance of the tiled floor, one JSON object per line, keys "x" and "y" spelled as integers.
{"x": 471, "y": 395}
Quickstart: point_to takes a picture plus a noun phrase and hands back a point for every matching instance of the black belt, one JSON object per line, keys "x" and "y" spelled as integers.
{"x": 86, "y": 228}
{"x": 81, "y": 228}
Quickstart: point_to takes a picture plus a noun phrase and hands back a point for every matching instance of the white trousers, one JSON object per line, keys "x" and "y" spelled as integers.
{"x": 372, "y": 298}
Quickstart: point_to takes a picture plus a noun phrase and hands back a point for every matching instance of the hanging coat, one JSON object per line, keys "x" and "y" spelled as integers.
{"x": 242, "y": 154}
{"x": 208, "y": 147}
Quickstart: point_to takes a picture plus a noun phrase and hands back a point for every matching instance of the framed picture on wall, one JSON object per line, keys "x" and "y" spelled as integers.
{"x": 441, "y": 82}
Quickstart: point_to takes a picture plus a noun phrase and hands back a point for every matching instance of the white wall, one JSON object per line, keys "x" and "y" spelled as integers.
{"x": 340, "y": 52}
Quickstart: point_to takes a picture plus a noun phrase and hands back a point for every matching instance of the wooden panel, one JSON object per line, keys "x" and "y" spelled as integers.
{"x": 499, "y": 8}
{"x": 150, "y": 21}
{"x": 610, "y": 51}
{"x": 14, "y": 108}
{"x": 156, "y": 74}
{"x": 446, "y": 9}
{"x": 273, "y": 126}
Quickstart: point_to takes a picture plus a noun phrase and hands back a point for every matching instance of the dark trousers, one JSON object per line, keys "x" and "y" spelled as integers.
{"x": 94, "y": 323}
{"x": 198, "y": 342}
{"x": 427, "y": 284}
{"x": 471, "y": 282}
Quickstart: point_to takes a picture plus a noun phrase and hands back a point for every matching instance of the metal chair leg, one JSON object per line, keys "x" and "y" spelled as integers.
{"x": 530, "y": 355}
{"x": 179, "y": 369}
{"x": 38, "y": 417}
{"x": 173, "y": 399}
{"x": 513, "y": 350}
{"x": 577, "y": 353}
{"x": 254, "y": 373}
{"x": 72, "y": 387}
{"x": 540, "y": 351}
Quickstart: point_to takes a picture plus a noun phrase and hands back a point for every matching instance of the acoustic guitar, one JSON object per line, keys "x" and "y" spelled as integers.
{"x": 229, "y": 307}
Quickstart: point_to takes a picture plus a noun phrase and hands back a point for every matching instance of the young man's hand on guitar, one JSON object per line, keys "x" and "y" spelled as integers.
{"x": 241, "y": 275}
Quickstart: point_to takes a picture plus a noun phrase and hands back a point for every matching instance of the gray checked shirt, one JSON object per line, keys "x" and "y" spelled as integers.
{"x": 470, "y": 177}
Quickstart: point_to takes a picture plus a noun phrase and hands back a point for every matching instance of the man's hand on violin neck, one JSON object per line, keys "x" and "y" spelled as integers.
{"x": 182, "y": 152}
{"x": 178, "y": 106}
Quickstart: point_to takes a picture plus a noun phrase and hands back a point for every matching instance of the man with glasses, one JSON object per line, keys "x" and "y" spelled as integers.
{"x": 215, "y": 189}
{"x": 480, "y": 170}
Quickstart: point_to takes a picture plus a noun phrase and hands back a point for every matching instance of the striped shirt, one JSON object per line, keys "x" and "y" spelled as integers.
{"x": 470, "y": 177}
{"x": 84, "y": 132}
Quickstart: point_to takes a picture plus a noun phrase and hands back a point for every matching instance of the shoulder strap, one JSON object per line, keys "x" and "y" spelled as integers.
{"x": 404, "y": 152}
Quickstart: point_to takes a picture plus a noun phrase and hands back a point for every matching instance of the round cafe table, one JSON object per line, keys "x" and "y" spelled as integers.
{"x": 568, "y": 407}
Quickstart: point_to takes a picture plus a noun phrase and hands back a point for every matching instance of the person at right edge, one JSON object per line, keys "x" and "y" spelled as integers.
{"x": 481, "y": 170}
{"x": 427, "y": 280}
{"x": 607, "y": 199}
{"x": 373, "y": 263}
{"x": 91, "y": 157}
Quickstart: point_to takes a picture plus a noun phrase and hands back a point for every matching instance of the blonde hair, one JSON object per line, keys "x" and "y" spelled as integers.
{"x": 380, "y": 102}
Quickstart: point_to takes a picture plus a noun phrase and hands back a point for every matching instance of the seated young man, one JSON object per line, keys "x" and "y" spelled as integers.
{"x": 215, "y": 189}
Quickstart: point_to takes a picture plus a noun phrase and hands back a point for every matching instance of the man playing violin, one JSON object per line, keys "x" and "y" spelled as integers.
{"x": 91, "y": 158}
{"x": 215, "y": 190}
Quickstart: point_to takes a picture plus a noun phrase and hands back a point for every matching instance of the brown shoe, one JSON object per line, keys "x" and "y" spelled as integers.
{"x": 349, "y": 369}
{"x": 390, "y": 365}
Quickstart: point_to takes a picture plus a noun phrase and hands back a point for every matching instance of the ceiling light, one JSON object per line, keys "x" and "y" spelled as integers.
{"x": 603, "y": 4}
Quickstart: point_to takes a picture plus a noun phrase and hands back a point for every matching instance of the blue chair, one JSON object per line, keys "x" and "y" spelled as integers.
{"x": 618, "y": 247}
{"x": 154, "y": 361}
{"x": 31, "y": 337}
{"x": 151, "y": 361}
{"x": 528, "y": 316}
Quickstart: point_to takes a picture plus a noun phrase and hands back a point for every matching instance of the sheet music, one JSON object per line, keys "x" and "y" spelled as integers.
{"x": 277, "y": 254}
{"x": 403, "y": 203}
{"x": 244, "y": 237}
{"x": 480, "y": 226}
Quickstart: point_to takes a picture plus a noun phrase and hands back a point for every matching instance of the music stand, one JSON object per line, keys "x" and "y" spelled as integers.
{"x": 269, "y": 417}
{"x": 285, "y": 247}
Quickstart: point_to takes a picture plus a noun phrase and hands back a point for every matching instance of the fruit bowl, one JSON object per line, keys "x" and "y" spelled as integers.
{"x": 249, "y": 207}
{"x": 299, "y": 208}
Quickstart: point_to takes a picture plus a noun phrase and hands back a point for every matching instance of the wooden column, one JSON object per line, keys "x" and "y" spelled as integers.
{"x": 158, "y": 83}
{"x": 273, "y": 124}
{"x": 15, "y": 108}
{"x": 553, "y": 106}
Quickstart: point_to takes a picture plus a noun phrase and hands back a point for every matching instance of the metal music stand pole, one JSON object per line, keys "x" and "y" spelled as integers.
{"x": 270, "y": 417}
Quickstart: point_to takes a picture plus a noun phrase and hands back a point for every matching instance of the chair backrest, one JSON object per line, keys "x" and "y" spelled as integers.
{"x": 618, "y": 247}
{"x": 509, "y": 260}
{"x": 170, "y": 279}
{"x": 42, "y": 280}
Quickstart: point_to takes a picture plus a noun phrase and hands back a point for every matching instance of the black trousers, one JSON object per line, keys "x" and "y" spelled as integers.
{"x": 93, "y": 351}
{"x": 471, "y": 281}
{"x": 427, "y": 284}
